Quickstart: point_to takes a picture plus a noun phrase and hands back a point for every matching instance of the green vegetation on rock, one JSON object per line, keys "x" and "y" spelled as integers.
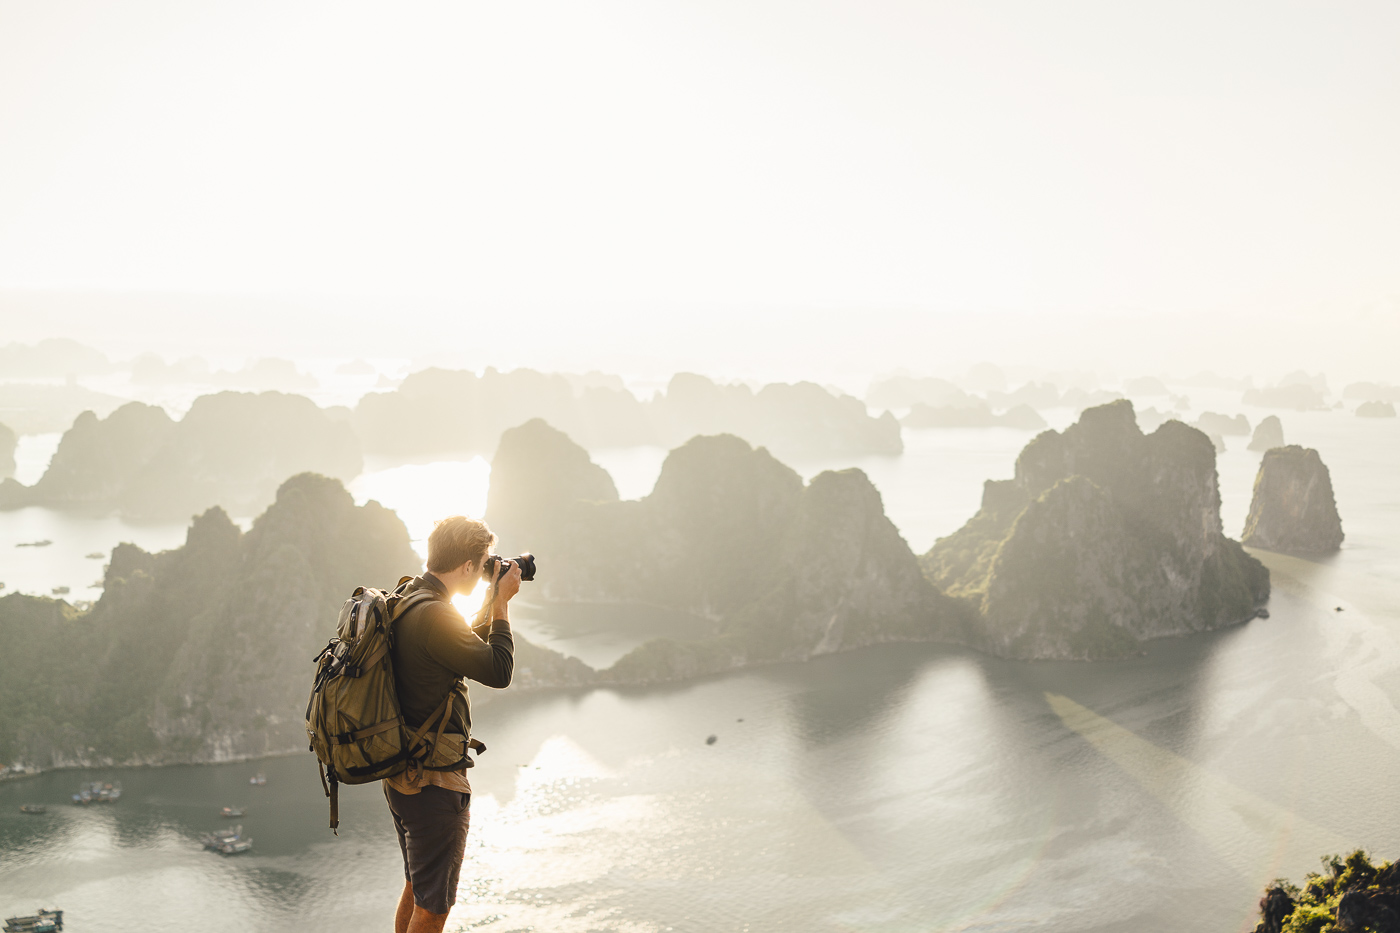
{"x": 1349, "y": 895}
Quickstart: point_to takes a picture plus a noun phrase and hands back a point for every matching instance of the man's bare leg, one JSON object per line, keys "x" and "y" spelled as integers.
{"x": 425, "y": 922}
{"x": 405, "y": 911}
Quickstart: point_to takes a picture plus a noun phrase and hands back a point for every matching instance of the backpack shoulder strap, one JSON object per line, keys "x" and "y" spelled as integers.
{"x": 404, "y": 603}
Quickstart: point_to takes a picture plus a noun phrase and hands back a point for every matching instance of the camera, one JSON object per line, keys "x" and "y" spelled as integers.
{"x": 526, "y": 562}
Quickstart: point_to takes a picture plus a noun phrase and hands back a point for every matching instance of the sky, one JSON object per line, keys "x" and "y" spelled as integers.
{"x": 864, "y": 184}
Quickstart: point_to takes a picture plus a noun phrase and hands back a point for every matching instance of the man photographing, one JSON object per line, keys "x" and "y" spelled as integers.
{"x": 434, "y": 651}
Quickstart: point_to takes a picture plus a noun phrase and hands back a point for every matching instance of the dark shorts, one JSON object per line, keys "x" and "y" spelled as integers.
{"x": 432, "y": 827}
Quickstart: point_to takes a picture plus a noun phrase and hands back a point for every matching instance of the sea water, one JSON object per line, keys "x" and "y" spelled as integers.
{"x": 909, "y": 787}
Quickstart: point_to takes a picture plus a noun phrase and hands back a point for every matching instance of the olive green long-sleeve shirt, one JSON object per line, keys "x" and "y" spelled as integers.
{"x": 435, "y": 651}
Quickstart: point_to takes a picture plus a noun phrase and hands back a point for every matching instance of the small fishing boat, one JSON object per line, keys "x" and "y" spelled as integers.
{"x": 232, "y": 813}
{"x": 219, "y": 837}
{"x": 33, "y": 808}
{"x": 258, "y": 779}
{"x": 61, "y": 591}
{"x": 43, "y": 921}
{"x": 235, "y": 847}
{"x": 96, "y": 555}
{"x": 44, "y": 543}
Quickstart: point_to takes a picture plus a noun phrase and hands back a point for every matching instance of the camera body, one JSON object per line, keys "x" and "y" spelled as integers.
{"x": 493, "y": 563}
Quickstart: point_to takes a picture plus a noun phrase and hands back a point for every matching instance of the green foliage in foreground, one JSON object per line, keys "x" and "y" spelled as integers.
{"x": 1350, "y": 895}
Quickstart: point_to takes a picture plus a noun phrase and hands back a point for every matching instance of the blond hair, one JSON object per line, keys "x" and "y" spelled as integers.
{"x": 456, "y": 540}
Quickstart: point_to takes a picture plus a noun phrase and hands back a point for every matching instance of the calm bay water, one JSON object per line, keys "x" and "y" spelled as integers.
{"x": 895, "y": 789}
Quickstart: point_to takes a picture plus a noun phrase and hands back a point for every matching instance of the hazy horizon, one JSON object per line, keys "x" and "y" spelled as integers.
{"x": 763, "y": 188}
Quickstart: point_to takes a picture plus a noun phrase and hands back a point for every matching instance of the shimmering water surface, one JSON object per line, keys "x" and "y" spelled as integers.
{"x": 900, "y": 788}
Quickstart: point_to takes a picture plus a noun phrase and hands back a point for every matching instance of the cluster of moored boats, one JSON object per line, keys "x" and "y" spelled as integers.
{"x": 97, "y": 792}
{"x": 42, "y": 921}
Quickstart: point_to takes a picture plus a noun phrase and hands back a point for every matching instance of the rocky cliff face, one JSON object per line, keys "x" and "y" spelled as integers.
{"x": 231, "y": 449}
{"x": 1268, "y": 434}
{"x": 203, "y": 653}
{"x": 785, "y": 570}
{"x": 538, "y": 479}
{"x": 1105, "y": 538}
{"x": 1293, "y": 509}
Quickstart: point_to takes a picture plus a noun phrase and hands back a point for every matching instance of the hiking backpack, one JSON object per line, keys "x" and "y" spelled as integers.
{"x": 353, "y": 719}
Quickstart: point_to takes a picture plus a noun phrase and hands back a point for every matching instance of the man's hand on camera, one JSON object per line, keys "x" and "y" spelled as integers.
{"x": 506, "y": 587}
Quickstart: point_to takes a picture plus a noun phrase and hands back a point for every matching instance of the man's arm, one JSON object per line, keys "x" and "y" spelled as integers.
{"x": 489, "y": 660}
{"x": 484, "y": 652}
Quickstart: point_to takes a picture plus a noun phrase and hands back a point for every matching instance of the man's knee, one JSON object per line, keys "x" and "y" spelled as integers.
{"x": 425, "y": 921}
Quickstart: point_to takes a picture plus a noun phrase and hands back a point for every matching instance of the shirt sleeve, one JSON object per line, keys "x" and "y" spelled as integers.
{"x": 453, "y": 644}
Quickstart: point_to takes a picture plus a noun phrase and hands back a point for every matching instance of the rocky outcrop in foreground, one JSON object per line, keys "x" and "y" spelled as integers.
{"x": 1105, "y": 538}
{"x": 1293, "y": 510}
{"x": 1349, "y": 895}
{"x": 775, "y": 568}
{"x": 231, "y": 449}
{"x": 1268, "y": 434}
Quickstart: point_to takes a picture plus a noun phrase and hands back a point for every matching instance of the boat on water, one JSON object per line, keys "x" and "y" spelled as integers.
{"x": 43, "y": 921}
{"x": 258, "y": 779}
{"x": 97, "y": 792}
{"x": 33, "y": 808}
{"x": 235, "y": 847}
{"x": 231, "y": 813}
{"x": 220, "y": 837}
